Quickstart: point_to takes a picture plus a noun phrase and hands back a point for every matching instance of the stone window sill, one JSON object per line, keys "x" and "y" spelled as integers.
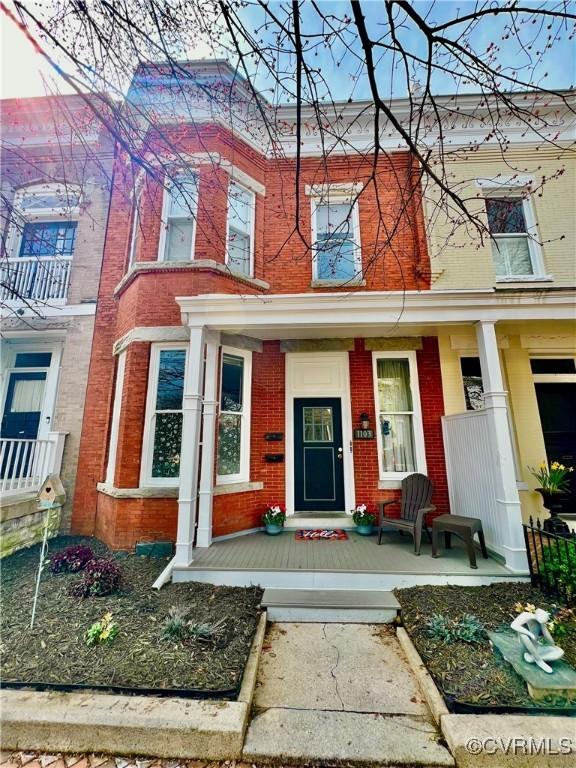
{"x": 356, "y": 282}
{"x": 221, "y": 490}
{"x": 526, "y": 279}
{"x": 150, "y": 492}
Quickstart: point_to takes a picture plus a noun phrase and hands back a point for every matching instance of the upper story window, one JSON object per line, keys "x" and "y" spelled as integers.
{"x": 336, "y": 239}
{"x": 240, "y": 236}
{"x": 515, "y": 249}
{"x": 400, "y": 433}
{"x": 179, "y": 218}
{"x": 40, "y": 243}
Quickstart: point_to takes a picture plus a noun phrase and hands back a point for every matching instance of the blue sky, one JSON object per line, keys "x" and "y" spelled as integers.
{"x": 341, "y": 69}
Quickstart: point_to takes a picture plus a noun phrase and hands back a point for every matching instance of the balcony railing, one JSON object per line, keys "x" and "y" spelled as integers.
{"x": 35, "y": 277}
{"x": 25, "y": 464}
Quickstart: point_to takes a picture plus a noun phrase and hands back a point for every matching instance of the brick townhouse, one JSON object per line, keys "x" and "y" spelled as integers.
{"x": 239, "y": 360}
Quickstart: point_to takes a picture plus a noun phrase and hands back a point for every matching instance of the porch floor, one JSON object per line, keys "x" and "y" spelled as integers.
{"x": 358, "y": 562}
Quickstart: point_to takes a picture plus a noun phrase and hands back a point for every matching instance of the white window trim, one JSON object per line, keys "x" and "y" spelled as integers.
{"x": 508, "y": 189}
{"x": 419, "y": 447}
{"x": 244, "y": 475}
{"x": 116, "y": 414}
{"x": 20, "y": 217}
{"x": 553, "y": 378}
{"x": 164, "y": 221}
{"x": 146, "y": 479}
{"x": 252, "y": 227}
{"x": 336, "y": 198}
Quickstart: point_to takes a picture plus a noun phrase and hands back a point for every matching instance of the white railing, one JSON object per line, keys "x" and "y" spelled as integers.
{"x": 35, "y": 277}
{"x": 470, "y": 471}
{"x": 25, "y": 464}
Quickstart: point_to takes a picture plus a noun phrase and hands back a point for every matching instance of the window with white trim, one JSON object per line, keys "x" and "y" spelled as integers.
{"x": 336, "y": 239}
{"x": 163, "y": 427}
{"x": 179, "y": 218}
{"x": 240, "y": 236}
{"x": 515, "y": 250}
{"x": 400, "y": 435}
{"x": 233, "y": 465}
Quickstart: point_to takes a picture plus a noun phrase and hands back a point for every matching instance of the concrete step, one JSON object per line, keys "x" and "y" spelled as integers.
{"x": 360, "y": 606}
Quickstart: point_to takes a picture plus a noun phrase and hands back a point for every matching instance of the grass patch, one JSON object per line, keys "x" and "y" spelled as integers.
{"x": 140, "y": 655}
{"x": 472, "y": 672}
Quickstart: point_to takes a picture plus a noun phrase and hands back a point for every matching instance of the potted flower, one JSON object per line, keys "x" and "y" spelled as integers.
{"x": 274, "y": 519}
{"x": 554, "y": 489}
{"x": 364, "y": 520}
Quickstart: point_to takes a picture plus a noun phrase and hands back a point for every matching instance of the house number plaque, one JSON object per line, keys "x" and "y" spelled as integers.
{"x": 274, "y": 437}
{"x": 363, "y": 434}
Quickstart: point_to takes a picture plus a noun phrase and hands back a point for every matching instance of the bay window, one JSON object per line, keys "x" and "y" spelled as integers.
{"x": 336, "y": 240}
{"x": 234, "y": 419}
{"x": 163, "y": 427}
{"x": 400, "y": 435}
{"x": 240, "y": 236}
{"x": 179, "y": 218}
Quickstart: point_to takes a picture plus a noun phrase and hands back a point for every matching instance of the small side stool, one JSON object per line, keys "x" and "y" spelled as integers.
{"x": 464, "y": 528}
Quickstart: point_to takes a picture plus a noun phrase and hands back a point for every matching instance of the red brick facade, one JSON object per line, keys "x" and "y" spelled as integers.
{"x": 281, "y": 259}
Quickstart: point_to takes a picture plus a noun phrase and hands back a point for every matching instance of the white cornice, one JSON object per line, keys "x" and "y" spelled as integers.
{"x": 372, "y": 309}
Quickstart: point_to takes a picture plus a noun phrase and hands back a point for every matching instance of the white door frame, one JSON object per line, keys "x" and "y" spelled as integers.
{"x": 10, "y": 350}
{"x": 338, "y": 364}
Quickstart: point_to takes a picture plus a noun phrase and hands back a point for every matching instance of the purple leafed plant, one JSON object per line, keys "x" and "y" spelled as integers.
{"x": 71, "y": 559}
{"x": 100, "y": 577}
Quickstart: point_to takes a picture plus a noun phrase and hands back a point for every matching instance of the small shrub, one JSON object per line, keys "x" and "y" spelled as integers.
{"x": 103, "y": 631}
{"x": 175, "y": 627}
{"x": 101, "y": 577}
{"x": 559, "y": 566}
{"x": 71, "y": 559}
{"x": 466, "y": 629}
{"x": 207, "y": 633}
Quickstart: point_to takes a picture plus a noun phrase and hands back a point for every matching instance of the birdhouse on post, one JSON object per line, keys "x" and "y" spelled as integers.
{"x": 52, "y": 493}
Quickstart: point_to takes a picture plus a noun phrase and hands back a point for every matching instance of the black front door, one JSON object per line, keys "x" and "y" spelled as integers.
{"x": 318, "y": 455}
{"x": 22, "y": 409}
{"x": 557, "y": 406}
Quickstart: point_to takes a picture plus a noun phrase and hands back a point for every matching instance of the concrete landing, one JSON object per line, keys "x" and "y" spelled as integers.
{"x": 348, "y": 693}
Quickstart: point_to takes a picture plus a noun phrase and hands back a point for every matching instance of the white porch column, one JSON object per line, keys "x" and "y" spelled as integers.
{"x": 190, "y": 450}
{"x": 210, "y": 410}
{"x": 504, "y": 472}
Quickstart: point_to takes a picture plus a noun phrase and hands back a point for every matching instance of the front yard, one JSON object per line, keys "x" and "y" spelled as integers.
{"x": 204, "y": 645}
{"x": 467, "y": 671}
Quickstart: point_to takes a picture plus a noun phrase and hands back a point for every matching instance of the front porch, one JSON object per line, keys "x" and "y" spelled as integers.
{"x": 358, "y": 563}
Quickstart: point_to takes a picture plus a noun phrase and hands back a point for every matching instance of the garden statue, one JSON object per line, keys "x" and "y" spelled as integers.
{"x": 535, "y": 636}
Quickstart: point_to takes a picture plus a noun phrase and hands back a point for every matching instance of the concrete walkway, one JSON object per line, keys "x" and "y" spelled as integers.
{"x": 340, "y": 693}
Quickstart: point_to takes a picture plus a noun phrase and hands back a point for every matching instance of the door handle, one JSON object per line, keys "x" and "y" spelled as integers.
{"x": 340, "y": 453}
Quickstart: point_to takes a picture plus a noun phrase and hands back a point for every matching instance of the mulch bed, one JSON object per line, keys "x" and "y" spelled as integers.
{"x": 474, "y": 673}
{"x": 55, "y": 651}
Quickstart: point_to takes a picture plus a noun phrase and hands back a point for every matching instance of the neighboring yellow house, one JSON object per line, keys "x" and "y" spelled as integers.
{"x": 532, "y": 255}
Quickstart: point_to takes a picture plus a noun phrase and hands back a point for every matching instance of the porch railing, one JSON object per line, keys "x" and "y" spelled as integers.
{"x": 35, "y": 277}
{"x": 471, "y": 481}
{"x": 25, "y": 464}
{"x": 552, "y": 561}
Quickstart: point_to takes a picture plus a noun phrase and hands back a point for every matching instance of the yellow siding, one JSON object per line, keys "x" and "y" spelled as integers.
{"x": 460, "y": 260}
{"x": 518, "y": 342}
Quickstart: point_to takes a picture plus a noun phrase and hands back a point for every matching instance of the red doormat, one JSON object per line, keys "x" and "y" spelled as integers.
{"x": 322, "y": 534}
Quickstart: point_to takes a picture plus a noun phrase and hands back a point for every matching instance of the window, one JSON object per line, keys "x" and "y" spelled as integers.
{"x": 513, "y": 246}
{"x": 53, "y": 239}
{"x": 553, "y": 365}
{"x": 400, "y": 435}
{"x": 336, "y": 243}
{"x": 240, "y": 229}
{"x": 163, "y": 429}
{"x": 179, "y": 230}
{"x": 472, "y": 383}
{"x": 234, "y": 419}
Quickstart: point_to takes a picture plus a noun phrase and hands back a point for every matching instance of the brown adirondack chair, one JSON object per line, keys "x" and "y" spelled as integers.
{"x": 417, "y": 493}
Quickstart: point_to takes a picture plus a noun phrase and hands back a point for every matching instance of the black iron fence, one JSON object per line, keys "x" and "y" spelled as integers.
{"x": 552, "y": 561}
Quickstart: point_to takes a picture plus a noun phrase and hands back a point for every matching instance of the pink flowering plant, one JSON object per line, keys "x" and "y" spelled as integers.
{"x": 275, "y": 515}
{"x": 361, "y": 516}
